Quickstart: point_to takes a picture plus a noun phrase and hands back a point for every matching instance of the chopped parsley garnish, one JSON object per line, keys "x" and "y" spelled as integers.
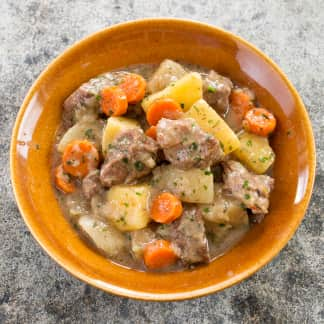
{"x": 125, "y": 160}
{"x": 110, "y": 146}
{"x": 221, "y": 145}
{"x": 247, "y": 196}
{"x": 221, "y": 225}
{"x": 126, "y": 204}
{"x": 245, "y": 184}
{"x": 182, "y": 105}
{"x": 208, "y": 172}
{"x": 138, "y": 193}
{"x": 211, "y": 89}
{"x": 139, "y": 166}
{"x": 206, "y": 210}
{"x": 193, "y": 146}
{"x": 89, "y": 133}
{"x": 249, "y": 143}
{"x": 98, "y": 97}
{"x": 243, "y": 206}
{"x": 175, "y": 184}
{"x": 205, "y": 187}
{"x": 263, "y": 159}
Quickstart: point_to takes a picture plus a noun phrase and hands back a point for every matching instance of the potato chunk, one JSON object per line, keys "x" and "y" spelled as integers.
{"x": 168, "y": 71}
{"x": 105, "y": 236}
{"x": 129, "y": 206}
{"x": 91, "y": 131}
{"x": 193, "y": 185}
{"x": 208, "y": 119}
{"x": 115, "y": 125}
{"x": 185, "y": 91}
{"x": 255, "y": 152}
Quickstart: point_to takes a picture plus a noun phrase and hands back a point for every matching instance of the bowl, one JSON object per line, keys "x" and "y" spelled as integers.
{"x": 152, "y": 40}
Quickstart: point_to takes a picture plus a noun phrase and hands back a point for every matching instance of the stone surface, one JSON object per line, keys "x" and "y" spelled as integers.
{"x": 33, "y": 289}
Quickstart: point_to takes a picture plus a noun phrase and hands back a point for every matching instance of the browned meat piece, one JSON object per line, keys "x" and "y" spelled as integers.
{"x": 131, "y": 156}
{"x": 216, "y": 91}
{"x": 168, "y": 71}
{"x": 251, "y": 189}
{"x": 86, "y": 98}
{"x": 186, "y": 145}
{"x": 188, "y": 236}
{"x": 91, "y": 184}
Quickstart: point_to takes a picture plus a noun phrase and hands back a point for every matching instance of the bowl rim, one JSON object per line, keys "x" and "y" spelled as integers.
{"x": 123, "y": 292}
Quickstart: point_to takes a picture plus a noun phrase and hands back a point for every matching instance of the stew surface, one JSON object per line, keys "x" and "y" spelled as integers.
{"x": 163, "y": 167}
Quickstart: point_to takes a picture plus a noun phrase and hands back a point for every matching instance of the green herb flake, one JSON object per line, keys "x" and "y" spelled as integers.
{"x": 98, "y": 97}
{"x": 208, "y": 172}
{"x": 89, "y": 133}
{"x": 125, "y": 160}
{"x": 182, "y": 105}
{"x": 263, "y": 159}
{"x": 138, "y": 193}
{"x": 193, "y": 146}
{"x": 175, "y": 184}
{"x": 245, "y": 184}
{"x": 126, "y": 204}
{"x": 206, "y": 210}
{"x": 221, "y": 145}
{"x": 247, "y": 196}
{"x": 211, "y": 89}
{"x": 242, "y": 206}
{"x": 195, "y": 107}
{"x": 221, "y": 225}
{"x": 249, "y": 143}
{"x": 139, "y": 166}
{"x": 205, "y": 187}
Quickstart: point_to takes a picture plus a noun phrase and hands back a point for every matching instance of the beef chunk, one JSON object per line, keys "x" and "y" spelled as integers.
{"x": 217, "y": 89}
{"x": 188, "y": 236}
{"x": 86, "y": 99}
{"x": 168, "y": 71}
{"x": 250, "y": 189}
{"x": 91, "y": 184}
{"x": 186, "y": 145}
{"x": 131, "y": 156}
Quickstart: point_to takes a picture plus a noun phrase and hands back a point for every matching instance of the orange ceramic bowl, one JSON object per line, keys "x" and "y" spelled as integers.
{"x": 151, "y": 40}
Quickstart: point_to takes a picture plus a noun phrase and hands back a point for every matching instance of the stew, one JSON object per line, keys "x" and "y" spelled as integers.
{"x": 162, "y": 168}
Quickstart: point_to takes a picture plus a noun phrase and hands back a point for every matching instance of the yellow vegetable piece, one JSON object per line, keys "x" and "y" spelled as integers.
{"x": 129, "y": 206}
{"x": 185, "y": 91}
{"x": 255, "y": 152}
{"x": 208, "y": 119}
{"x": 115, "y": 125}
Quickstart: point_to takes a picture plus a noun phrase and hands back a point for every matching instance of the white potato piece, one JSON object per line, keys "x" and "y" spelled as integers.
{"x": 105, "y": 236}
{"x": 129, "y": 206}
{"x": 168, "y": 71}
{"x": 224, "y": 210}
{"x": 91, "y": 131}
{"x": 193, "y": 185}
{"x": 185, "y": 91}
{"x": 114, "y": 126}
{"x": 255, "y": 152}
{"x": 208, "y": 119}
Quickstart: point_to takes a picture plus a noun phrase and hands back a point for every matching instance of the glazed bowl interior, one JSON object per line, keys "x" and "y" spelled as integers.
{"x": 144, "y": 41}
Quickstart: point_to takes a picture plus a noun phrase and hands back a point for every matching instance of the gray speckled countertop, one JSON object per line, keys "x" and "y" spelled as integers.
{"x": 34, "y": 289}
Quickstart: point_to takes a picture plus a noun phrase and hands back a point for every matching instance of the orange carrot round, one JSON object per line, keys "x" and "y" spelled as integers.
{"x": 113, "y": 101}
{"x": 166, "y": 208}
{"x": 151, "y": 132}
{"x": 159, "y": 254}
{"x": 134, "y": 86}
{"x": 80, "y": 157}
{"x": 240, "y": 103}
{"x": 259, "y": 121}
{"x": 163, "y": 108}
{"x": 63, "y": 180}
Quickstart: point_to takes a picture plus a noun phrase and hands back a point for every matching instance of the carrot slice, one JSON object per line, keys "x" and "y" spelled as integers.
{"x": 240, "y": 103}
{"x": 80, "y": 157}
{"x": 151, "y": 132}
{"x": 259, "y": 121}
{"x": 113, "y": 101}
{"x": 163, "y": 108}
{"x": 134, "y": 86}
{"x": 63, "y": 180}
{"x": 159, "y": 254}
{"x": 166, "y": 208}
